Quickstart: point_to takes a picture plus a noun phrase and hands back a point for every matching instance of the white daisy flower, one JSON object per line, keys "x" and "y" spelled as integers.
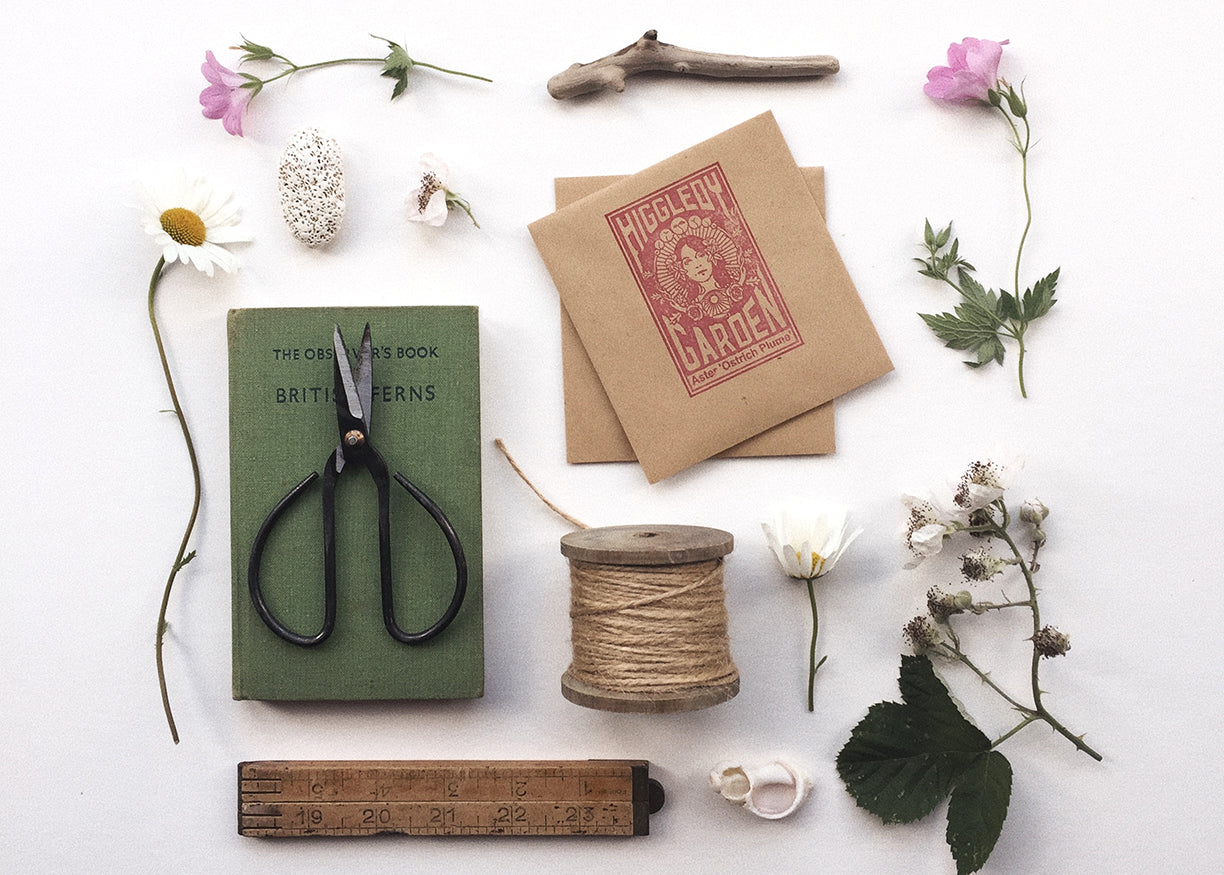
{"x": 192, "y": 221}
{"x": 809, "y": 539}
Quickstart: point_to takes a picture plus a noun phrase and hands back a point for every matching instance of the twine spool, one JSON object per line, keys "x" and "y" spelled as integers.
{"x": 649, "y": 619}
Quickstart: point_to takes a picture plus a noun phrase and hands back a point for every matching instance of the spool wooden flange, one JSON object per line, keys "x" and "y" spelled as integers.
{"x": 641, "y": 546}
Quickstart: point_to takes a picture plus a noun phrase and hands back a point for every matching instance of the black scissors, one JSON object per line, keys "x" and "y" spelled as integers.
{"x": 353, "y": 394}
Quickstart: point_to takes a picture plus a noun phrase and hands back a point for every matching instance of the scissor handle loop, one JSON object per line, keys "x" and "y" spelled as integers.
{"x": 456, "y": 602}
{"x": 261, "y": 606}
{"x": 378, "y": 470}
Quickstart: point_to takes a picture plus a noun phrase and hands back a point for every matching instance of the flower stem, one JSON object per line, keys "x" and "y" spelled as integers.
{"x": 454, "y": 200}
{"x": 1022, "y": 146}
{"x": 813, "y": 665}
{"x": 295, "y": 68}
{"x": 181, "y": 558}
{"x": 452, "y": 72}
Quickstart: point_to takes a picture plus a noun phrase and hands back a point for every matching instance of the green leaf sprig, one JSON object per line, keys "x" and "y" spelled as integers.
{"x": 397, "y": 64}
{"x": 903, "y": 759}
{"x": 984, "y": 318}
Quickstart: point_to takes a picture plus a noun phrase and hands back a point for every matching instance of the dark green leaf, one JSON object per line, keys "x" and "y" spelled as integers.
{"x": 977, "y": 810}
{"x": 903, "y": 759}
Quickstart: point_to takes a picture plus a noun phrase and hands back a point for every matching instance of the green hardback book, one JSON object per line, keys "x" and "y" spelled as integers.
{"x": 425, "y": 421}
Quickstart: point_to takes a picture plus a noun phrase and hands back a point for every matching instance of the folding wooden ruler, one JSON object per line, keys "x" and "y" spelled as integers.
{"x": 446, "y": 797}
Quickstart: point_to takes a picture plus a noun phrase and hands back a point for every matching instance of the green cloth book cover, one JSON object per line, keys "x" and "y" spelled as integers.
{"x": 425, "y": 421}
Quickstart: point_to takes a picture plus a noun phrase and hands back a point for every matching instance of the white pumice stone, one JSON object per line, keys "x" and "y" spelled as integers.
{"x": 311, "y": 183}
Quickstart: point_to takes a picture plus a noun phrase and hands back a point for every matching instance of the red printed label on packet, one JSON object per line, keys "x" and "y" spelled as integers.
{"x": 712, "y": 297}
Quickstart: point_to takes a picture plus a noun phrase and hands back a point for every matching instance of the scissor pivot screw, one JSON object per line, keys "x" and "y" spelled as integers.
{"x": 354, "y": 438}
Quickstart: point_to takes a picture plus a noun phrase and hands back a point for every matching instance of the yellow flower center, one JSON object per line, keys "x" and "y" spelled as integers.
{"x": 183, "y": 226}
{"x": 818, "y": 563}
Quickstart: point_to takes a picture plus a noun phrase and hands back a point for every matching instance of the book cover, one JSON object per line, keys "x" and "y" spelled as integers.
{"x": 425, "y": 421}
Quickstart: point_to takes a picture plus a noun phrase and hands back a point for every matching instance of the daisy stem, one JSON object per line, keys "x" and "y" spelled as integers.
{"x": 181, "y": 558}
{"x": 813, "y": 665}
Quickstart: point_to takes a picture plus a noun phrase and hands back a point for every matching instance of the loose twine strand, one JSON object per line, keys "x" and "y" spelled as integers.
{"x": 645, "y": 628}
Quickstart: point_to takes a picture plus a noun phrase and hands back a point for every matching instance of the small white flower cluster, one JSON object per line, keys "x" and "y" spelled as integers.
{"x": 933, "y": 519}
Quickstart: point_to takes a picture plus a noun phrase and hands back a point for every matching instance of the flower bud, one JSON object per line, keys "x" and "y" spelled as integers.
{"x": 1016, "y": 103}
{"x": 1050, "y": 642}
{"x": 254, "y": 51}
{"x": 1034, "y": 512}
{"x": 993, "y": 97}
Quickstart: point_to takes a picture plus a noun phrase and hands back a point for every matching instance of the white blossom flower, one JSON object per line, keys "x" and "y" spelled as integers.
{"x": 985, "y": 480}
{"x": 191, "y": 221}
{"x": 809, "y": 539}
{"x": 430, "y": 200}
{"x": 927, "y": 526}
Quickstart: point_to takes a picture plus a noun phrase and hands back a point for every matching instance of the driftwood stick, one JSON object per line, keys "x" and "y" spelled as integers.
{"x": 648, "y": 54}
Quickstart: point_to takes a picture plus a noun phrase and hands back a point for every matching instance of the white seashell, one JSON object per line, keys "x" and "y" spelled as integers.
{"x": 773, "y": 790}
{"x": 311, "y": 183}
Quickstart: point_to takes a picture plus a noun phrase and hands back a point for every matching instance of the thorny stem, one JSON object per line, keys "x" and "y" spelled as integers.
{"x": 179, "y": 560}
{"x": 813, "y": 665}
{"x": 1038, "y": 710}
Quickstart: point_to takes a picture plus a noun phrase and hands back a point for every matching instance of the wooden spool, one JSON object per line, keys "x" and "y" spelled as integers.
{"x": 644, "y": 547}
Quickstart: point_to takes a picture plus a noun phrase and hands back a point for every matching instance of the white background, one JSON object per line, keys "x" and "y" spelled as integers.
{"x": 1121, "y": 433}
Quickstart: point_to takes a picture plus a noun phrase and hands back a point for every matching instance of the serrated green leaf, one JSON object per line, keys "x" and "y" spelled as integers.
{"x": 964, "y": 329}
{"x": 1038, "y": 300}
{"x": 903, "y": 759}
{"x": 1009, "y": 307}
{"x": 977, "y": 810}
{"x": 396, "y": 66}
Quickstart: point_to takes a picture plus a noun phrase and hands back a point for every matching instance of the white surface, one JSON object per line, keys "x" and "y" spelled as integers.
{"x": 1122, "y": 432}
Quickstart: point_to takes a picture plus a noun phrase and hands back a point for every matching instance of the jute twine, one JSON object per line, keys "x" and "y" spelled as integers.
{"x": 650, "y": 628}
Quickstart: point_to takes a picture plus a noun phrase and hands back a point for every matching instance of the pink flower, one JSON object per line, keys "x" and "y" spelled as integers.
{"x": 224, "y": 98}
{"x": 972, "y": 71}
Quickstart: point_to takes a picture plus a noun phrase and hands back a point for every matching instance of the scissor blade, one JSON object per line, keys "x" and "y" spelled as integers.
{"x": 365, "y": 376}
{"x": 344, "y": 377}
